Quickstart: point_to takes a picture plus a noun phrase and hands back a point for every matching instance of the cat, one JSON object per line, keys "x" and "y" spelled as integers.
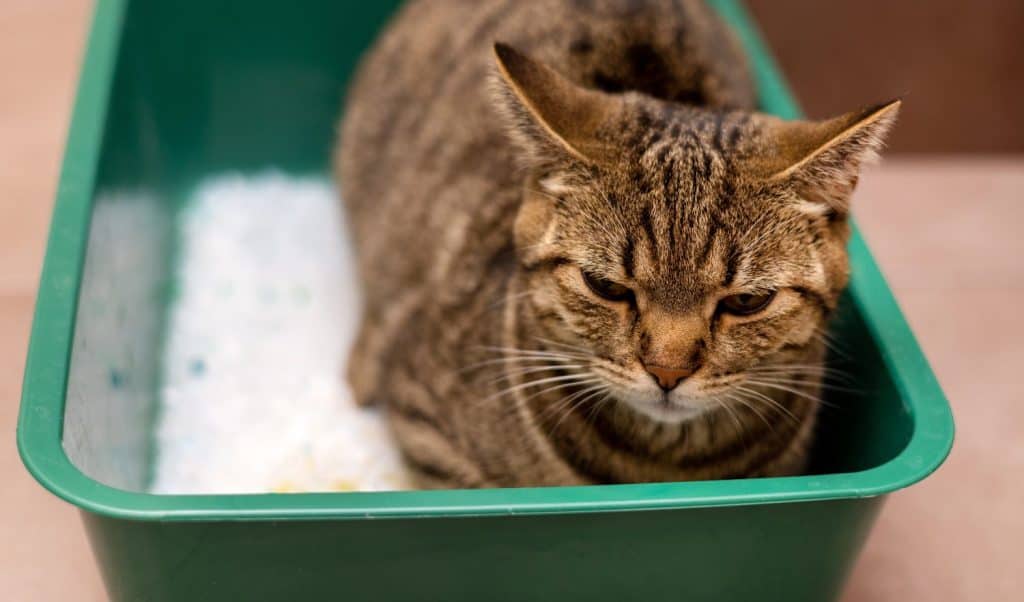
{"x": 585, "y": 257}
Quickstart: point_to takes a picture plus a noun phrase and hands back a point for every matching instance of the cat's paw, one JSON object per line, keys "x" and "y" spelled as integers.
{"x": 361, "y": 375}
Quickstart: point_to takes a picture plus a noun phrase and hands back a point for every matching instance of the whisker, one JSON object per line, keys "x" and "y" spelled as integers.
{"x": 541, "y": 381}
{"x": 796, "y": 381}
{"x": 509, "y": 373}
{"x": 796, "y": 392}
{"x": 555, "y": 387}
{"x": 772, "y": 403}
{"x": 511, "y": 360}
{"x": 596, "y": 408}
{"x": 738, "y": 398}
{"x": 533, "y": 352}
{"x": 782, "y": 387}
{"x": 803, "y": 370}
{"x": 732, "y": 414}
{"x": 831, "y": 343}
{"x": 567, "y": 346}
{"x": 565, "y": 403}
{"x": 562, "y": 403}
{"x": 808, "y": 368}
{"x": 570, "y": 409}
{"x": 562, "y": 386}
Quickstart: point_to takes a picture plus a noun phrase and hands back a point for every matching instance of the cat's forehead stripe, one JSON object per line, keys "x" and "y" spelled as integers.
{"x": 629, "y": 258}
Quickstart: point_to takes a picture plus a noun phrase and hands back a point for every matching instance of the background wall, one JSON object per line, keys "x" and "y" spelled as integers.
{"x": 959, "y": 64}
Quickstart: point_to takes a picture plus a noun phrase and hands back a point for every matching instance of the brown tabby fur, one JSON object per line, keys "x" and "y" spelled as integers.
{"x": 616, "y": 137}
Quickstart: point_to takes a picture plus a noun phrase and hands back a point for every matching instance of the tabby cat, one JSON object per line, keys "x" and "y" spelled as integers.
{"x": 586, "y": 258}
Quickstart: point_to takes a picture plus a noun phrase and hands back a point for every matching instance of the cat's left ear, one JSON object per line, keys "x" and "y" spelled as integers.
{"x": 823, "y": 159}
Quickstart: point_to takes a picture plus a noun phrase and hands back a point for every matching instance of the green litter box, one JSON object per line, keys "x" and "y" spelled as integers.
{"x": 172, "y": 92}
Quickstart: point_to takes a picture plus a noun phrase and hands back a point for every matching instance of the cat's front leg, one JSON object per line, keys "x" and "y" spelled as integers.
{"x": 363, "y": 367}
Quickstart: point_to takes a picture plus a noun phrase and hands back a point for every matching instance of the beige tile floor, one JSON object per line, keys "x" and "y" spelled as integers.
{"x": 945, "y": 229}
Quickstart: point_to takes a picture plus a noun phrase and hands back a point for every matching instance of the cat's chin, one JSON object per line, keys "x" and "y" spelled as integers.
{"x": 666, "y": 411}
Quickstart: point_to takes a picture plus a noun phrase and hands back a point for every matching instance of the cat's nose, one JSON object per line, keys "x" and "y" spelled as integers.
{"x": 668, "y": 378}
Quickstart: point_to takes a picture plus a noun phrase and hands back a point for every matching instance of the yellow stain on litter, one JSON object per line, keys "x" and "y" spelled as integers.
{"x": 285, "y": 487}
{"x": 339, "y": 485}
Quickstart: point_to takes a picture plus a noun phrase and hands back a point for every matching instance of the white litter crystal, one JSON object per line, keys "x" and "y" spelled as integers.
{"x": 266, "y": 307}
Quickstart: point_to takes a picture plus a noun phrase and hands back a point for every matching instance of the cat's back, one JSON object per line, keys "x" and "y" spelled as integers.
{"x": 419, "y": 116}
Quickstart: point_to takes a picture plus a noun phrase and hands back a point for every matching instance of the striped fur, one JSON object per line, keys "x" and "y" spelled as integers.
{"x": 617, "y": 138}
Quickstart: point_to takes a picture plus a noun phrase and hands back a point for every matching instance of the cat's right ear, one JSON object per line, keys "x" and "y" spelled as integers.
{"x": 551, "y": 118}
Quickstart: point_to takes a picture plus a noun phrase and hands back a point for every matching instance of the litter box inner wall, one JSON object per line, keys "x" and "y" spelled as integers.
{"x": 113, "y": 379}
{"x": 249, "y": 84}
{"x": 252, "y": 85}
{"x": 863, "y": 421}
{"x": 112, "y": 398}
{"x": 263, "y": 92}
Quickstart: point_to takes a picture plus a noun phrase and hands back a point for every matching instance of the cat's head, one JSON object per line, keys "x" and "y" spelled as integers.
{"x": 679, "y": 250}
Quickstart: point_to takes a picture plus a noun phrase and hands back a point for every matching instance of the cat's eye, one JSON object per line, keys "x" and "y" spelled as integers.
{"x": 745, "y": 304}
{"x": 607, "y": 289}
